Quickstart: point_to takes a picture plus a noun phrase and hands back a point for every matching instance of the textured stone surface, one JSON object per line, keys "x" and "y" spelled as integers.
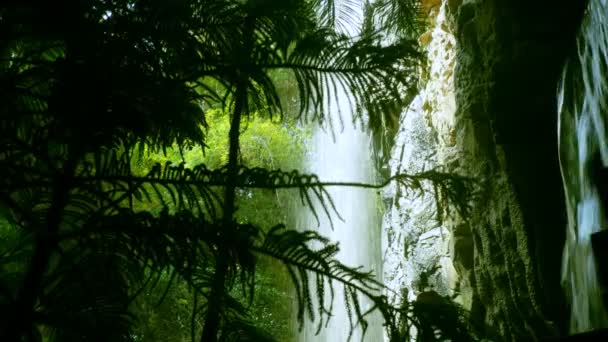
{"x": 418, "y": 249}
{"x": 413, "y": 240}
{"x": 486, "y": 110}
{"x": 509, "y": 54}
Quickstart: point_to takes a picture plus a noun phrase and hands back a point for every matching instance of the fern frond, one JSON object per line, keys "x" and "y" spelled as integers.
{"x": 292, "y": 248}
{"x": 454, "y": 190}
{"x": 401, "y": 18}
{"x": 376, "y": 76}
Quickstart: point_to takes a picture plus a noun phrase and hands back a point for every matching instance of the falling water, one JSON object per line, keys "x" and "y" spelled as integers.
{"x": 582, "y": 98}
{"x": 341, "y": 152}
{"x": 347, "y": 158}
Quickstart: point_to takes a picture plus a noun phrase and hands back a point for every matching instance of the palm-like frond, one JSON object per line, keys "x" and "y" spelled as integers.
{"x": 292, "y": 248}
{"x": 186, "y": 187}
{"x": 400, "y": 18}
{"x": 129, "y": 245}
{"x": 322, "y": 60}
{"x": 136, "y": 82}
{"x": 342, "y": 16}
{"x": 376, "y": 76}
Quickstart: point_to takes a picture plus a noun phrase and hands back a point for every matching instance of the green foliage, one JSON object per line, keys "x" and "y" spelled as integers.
{"x": 395, "y": 17}
{"x": 271, "y": 307}
{"x": 266, "y": 143}
{"x": 164, "y": 312}
{"x": 93, "y": 226}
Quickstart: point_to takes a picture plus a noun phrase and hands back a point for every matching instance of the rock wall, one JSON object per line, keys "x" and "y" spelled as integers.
{"x": 486, "y": 110}
{"x": 417, "y": 247}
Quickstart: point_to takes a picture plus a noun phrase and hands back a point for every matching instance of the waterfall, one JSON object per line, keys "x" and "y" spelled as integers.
{"x": 346, "y": 158}
{"x": 341, "y": 151}
{"x": 582, "y": 104}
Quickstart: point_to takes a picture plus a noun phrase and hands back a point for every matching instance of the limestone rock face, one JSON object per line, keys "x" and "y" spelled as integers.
{"x": 486, "y": 110}
{"x": 415, "y": 244}
{"x": 419, "y": 250}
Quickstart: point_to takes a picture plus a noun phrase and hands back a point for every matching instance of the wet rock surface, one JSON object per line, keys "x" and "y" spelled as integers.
{"x": 486, "y": 110}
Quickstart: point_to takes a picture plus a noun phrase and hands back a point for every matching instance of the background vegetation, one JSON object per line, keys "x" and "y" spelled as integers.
{"x": 267, "y": 144}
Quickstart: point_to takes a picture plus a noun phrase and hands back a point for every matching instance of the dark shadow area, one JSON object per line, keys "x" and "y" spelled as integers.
{"x": 599, "y": 335}
{"x": 538, "y": 37}
{"x": 514, "y": 52}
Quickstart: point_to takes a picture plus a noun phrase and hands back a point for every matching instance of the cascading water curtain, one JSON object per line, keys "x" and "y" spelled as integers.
{"x": 341, "y": 152}
{"x": 582, "y": 105}
{"x": 346, "y": 158}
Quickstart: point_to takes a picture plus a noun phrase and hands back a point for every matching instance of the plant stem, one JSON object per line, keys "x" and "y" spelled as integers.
{"x": 46, "y": 242}
{"x": 214, "y": 306}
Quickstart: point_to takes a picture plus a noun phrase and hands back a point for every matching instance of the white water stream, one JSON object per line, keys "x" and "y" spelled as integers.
{"x": 582, "y": 104}
{"x": 341, "y": 152}
{"x": 346, "y": 159}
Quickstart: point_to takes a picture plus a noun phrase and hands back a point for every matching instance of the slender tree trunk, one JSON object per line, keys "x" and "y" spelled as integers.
{"x": 211, "y": 325}
{"x": 214, "y": 306}
{"x": 22, "y": 319}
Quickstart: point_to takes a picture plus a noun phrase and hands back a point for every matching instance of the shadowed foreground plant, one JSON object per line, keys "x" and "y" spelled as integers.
{"x": 111, "y": 81}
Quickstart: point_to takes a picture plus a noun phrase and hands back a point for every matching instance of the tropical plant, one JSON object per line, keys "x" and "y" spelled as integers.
{"x": 108, "y": 81}
{"x": 265, "y": 144}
